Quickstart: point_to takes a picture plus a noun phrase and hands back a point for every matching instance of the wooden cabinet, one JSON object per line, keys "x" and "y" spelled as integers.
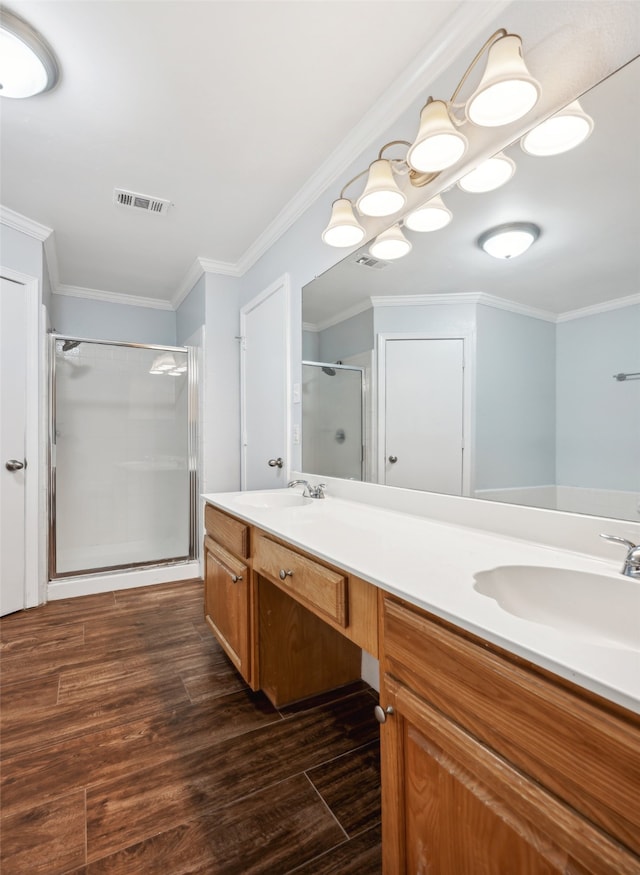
{"x": 227, "y": 604}
{"x": 491, "y": 767}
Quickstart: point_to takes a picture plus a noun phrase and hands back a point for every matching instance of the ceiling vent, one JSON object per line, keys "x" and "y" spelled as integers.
{"x": 374, "y": 263}
{"x": 145, "y": 202}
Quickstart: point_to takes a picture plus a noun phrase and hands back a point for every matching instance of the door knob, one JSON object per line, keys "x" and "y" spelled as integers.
{"x": 15, "y": 465}
{"x": 275, "y": 463}
{"x": 393, "y": 459}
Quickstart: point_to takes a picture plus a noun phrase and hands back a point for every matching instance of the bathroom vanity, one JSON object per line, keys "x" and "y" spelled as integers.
{"x": 506, "y": 746}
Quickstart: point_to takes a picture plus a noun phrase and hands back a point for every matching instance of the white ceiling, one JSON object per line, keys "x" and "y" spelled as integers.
{"x": 224, "y": 108}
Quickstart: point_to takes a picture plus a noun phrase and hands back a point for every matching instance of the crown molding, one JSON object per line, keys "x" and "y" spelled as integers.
{"x": 617, "y": 304}
{"x": 21, "y": 223}
{"x": 199, "y": 267}
{"x": 450, "y": 41}
{"x": 111, "y": 297}
{"x": 462, "y": 298}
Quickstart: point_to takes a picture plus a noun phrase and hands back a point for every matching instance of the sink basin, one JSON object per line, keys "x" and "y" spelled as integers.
{"x": 277, "y": 498}
{"x": 597, "y": 608}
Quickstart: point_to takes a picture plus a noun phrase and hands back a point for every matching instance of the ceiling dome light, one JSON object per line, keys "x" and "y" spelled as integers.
{"x": 489, "y": 175}
{"x": 510, "y": 240}
{"x": 507, "y": 91}
{"x": 563, "y": 131}
{"x": 27, "y": 64}
{"x": 438, "y": 144}
{"x": 431, "y": 217}
{"x": 391, "y": 244}
{"x": 381, "y": 196}
{"x": 343, "y": 228}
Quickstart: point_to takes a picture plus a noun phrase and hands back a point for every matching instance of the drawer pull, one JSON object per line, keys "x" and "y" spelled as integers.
{"x": 284, "y": 574}
{"x": 381, "y": 713}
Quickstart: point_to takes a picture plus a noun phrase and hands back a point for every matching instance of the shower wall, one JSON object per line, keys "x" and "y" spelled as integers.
{"x": 121, "y": 454}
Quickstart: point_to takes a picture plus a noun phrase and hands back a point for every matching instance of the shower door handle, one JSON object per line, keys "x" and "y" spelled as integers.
{"x": 15, "y": 465}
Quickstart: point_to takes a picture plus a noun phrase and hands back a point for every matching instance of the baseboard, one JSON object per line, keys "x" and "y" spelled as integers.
{"x": 70, "y": 587}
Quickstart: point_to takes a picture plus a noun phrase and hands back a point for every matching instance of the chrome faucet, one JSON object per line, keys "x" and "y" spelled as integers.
{"x": 309, "y": 491}
{"x": 631, "y": 567}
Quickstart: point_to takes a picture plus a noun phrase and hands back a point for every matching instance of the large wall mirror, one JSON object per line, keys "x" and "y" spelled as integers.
{"x": 511, "y": 380}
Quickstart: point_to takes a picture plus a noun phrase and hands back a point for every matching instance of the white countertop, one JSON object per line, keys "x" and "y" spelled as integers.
{"x": 433, "y": 565}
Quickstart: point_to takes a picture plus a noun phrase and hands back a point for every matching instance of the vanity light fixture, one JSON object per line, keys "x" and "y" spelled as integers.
{"x": 509, "y": 240}
{"x": 435, "y": 214}
{"x": 489, "y": 175}
{"x": 506, "y": 92}
{"x": 27, "y": 64}
{"x": 391, "y": 244}
{"x": 563, "y": 131}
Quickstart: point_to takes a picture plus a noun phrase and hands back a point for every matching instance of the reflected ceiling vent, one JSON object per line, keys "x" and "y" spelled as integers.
{"x": 375, "y": 263}
{"x": 144, "y": 202}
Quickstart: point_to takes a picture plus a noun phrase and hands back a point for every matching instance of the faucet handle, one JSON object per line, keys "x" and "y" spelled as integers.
{"x": 618, "y": 540}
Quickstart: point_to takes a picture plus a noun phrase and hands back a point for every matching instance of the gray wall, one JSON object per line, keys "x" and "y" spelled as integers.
{"x": 599, "y": 417}
{"x": 347, "y": 338}
{"x": 191, "y": 314}
{"x": 103, "y": 320}
{"x": 515, "y": 400}
{"x": 21, "y": 252}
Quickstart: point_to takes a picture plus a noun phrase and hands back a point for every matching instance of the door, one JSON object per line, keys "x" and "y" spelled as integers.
{"x": 265, "y": 388}
{"x": 14, "y": 314}
{"x": 423, "y": 414}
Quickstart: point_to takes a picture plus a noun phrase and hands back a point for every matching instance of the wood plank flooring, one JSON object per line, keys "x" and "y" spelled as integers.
{"x": 130, "y": 746}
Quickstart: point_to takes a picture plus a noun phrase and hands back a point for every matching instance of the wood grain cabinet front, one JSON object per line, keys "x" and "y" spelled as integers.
{"x": 490, "y": 766}
{"x": 227, "y": 604}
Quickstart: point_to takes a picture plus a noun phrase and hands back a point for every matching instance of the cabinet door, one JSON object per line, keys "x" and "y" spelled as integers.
{"x": 227, "y": 604}
{"x": 453, "y": 806}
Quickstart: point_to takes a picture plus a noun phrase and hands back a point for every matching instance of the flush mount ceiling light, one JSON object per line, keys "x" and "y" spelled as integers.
{"x": 563, "y": 131}
{"x": 391, "y": 244}
{"x": 509, "y": 240}
{"x": 506, "y": 92}
{"x": 489, "y": 175}
{"x": 27, "y": 64}
{"x": 431, "y": 217}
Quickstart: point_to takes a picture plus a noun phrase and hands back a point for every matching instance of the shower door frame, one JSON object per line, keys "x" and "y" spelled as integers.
{"x": 192, "y": 458}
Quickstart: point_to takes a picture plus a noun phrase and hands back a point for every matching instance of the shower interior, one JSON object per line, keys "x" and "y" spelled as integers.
{"x": 123, "y": 487}
{"x": 333, "y": 419}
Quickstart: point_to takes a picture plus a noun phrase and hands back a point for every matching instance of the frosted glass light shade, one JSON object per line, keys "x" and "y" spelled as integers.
{"x": 343, "y": 228}
{"x": 507, "y": 91}
{"x": 563, "y": 131}
{"x": 438, "y": 144}
{"x": 391, "y": 244}
{"x": 431, "y": 217}
{"x": 381, "y": 196}
{"x": 27, "y": 65}
{"x": 489, "y": 175}
{"x": 510, "y": 240}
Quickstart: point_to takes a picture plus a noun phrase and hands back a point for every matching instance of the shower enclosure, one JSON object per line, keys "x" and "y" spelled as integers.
{"x": 332, "y": 420}
{"x": 123, "y": 479}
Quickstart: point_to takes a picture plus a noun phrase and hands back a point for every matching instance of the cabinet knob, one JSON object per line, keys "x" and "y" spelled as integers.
{"x": 284, "y": 574}
{"x": 236, "y": 577}
{"x": 275, "y": 463}
{"x": 381, "y": 713}
{"x": 393, "y": 459}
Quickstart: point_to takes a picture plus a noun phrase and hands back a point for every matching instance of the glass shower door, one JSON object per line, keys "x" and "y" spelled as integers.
{"x": 122, "y": 482}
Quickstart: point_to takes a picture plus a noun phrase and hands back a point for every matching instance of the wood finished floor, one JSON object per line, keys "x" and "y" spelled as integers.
{"x": 131, "y": 746}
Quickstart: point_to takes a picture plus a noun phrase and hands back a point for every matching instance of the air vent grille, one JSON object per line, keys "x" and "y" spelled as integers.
{"x": 374, "y": 263}
{"x": 145, "y": 202}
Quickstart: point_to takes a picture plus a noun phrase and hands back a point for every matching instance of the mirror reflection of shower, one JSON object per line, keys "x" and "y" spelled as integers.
{"x": 332, "y": 419}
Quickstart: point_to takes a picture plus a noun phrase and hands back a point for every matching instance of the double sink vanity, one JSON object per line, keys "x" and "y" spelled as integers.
{"x": 509, "y": 673}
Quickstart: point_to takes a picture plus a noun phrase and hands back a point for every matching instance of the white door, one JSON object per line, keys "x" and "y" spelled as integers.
{"x": 423, "y": 436}
{"x": 13, "y": 474}
{"x": 265, "y": 388}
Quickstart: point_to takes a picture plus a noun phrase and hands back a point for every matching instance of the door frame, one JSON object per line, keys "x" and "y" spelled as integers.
{"x": 34, "y": 549}
{"x": 468, "y": 339}
{"x": 283, "y": 282}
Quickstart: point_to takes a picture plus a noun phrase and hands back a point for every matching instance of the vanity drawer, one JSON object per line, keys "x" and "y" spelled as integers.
{"x": 567, "y": 742}
{"x": 231, "y": 533}
{"x": 319, "y": 588}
